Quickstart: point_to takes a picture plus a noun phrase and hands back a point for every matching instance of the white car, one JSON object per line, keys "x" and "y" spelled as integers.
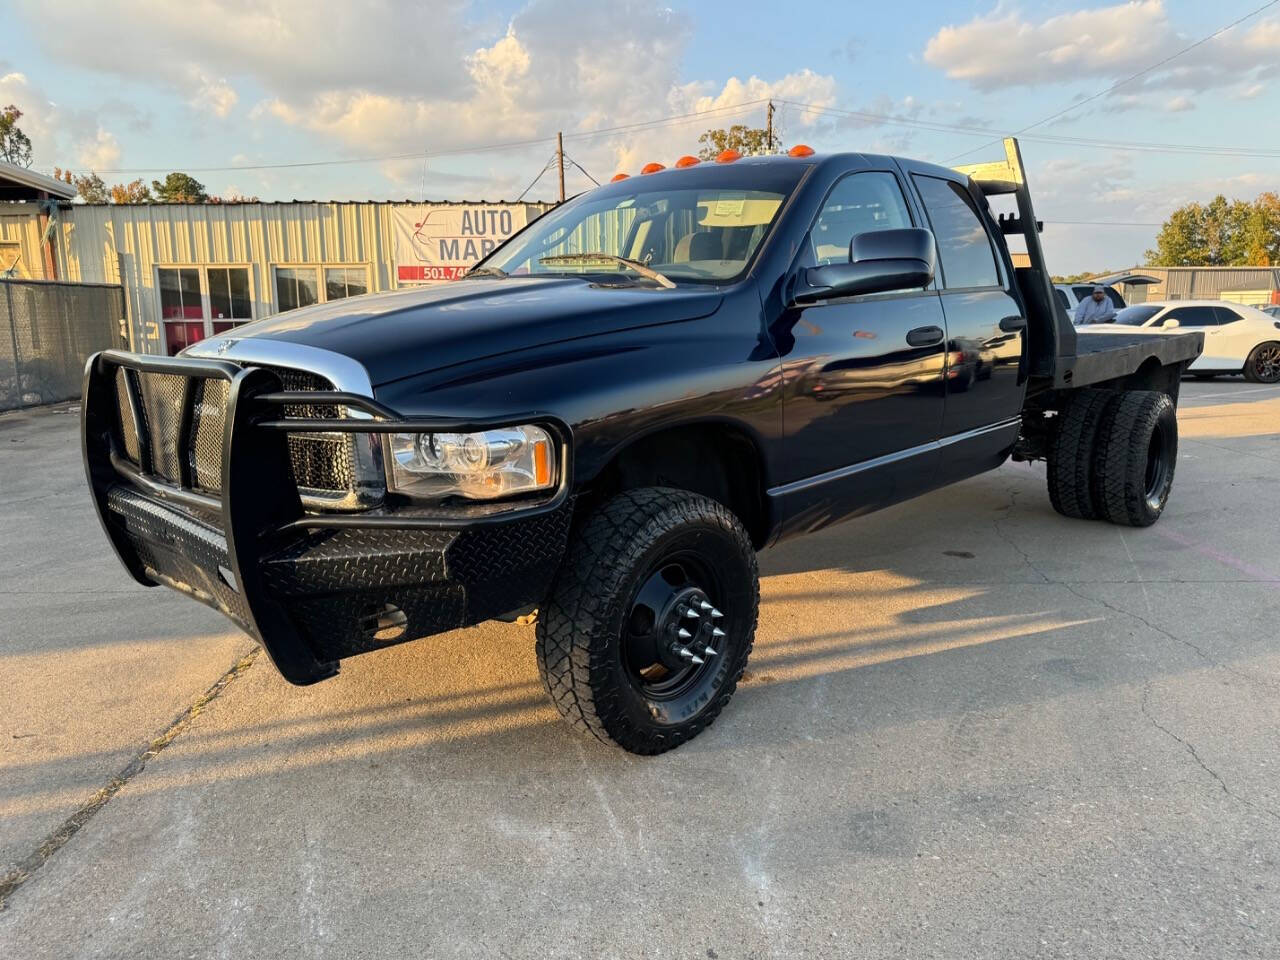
{"x": 1237, "y": 338}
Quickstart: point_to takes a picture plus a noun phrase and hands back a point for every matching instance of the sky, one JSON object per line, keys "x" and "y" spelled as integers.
{"x": 448, "y": 99}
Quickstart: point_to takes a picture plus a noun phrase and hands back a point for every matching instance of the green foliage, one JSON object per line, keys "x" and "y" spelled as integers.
{"x": 91, "y": 188}
{"x": 179, "y": 188}
{"x": 1235, "y": 233}
{"x": 746, "y": 140}
{"x": 15, "y": 146}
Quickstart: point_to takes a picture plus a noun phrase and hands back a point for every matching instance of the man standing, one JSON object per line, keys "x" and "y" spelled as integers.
{"x": 1096, "y": 309}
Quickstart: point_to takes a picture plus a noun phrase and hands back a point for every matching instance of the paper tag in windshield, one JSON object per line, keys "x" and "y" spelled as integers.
{"x": 730, "y": 205}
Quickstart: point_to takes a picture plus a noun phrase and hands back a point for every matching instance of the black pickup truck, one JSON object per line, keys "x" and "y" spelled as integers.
{"x": 612, "y": 413}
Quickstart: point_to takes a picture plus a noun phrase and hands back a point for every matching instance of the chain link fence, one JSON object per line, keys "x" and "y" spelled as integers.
{"x": 47, "y": 332}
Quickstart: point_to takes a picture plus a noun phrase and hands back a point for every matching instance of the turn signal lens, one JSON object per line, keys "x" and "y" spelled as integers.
{"x": 728, "y": 156}
{"x": 686, "y": 161}
{"x": 800, "y": 150}
{"x": 652, "y": 168}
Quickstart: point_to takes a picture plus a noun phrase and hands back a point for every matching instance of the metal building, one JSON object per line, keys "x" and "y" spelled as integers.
{"x": 1252, "y": 285}
{"x": 193, "y": 270}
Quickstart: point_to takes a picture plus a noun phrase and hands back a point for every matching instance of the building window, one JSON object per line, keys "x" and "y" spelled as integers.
{"x": 197, "y": 302}
{"x": 299, "y": 286}
{"x": 341, "y": 282}
{"x": 295, "y": 287}
{"x": 229, "y": 301}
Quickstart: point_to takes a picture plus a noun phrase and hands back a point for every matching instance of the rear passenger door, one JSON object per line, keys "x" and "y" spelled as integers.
{"x": 985, "y": 325}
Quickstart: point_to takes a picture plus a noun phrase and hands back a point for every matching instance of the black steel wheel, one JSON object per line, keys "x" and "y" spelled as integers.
{"x": 651, "y": 619}
{"x": 1263, "y": 364}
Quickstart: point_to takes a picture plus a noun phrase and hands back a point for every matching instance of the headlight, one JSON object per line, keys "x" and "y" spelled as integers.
{"x": 480, "y": 466}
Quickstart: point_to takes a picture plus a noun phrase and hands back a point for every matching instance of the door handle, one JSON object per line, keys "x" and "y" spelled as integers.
{"x": 1013, "y": 324}
{"x": 924, "y": 336}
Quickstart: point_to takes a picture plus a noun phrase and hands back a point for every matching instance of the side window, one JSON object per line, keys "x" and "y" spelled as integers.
{"x": 859, "y": 203}
{"x": 1226, "y": 315}
{"x": 1062, "y": 299}
{"x": 1194, "y": 316}
{"x": 964, "y": 247}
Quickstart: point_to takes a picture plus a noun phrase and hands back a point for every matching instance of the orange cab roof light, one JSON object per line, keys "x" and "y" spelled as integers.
{"x": 619, "y": 176}
{"x": 652, "y": 168}
{"x": 686, "y": 161}
{"x": 728, "y": 156}
{"x": 800, "y": 150}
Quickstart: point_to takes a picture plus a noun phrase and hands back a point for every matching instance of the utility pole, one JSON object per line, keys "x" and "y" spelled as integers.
{"x": 560, "y": 162}
{"x": 768, "y": 139}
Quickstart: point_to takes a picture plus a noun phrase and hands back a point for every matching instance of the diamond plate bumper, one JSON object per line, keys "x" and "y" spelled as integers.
{"x": 313, "y": 588}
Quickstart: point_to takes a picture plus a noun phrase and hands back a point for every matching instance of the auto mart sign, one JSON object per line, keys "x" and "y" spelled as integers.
{"x": 436, "y": 242}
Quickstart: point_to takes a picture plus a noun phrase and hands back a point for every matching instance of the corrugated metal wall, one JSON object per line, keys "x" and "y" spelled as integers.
{"x": 1202, "y": 283}
{"x": 126, "y": 243}
{"x": 20, "y": 234}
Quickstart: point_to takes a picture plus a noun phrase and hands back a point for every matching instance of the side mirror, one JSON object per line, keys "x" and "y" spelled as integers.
{"x": 879, "y": 261}
{"x": 1171, "y": 324}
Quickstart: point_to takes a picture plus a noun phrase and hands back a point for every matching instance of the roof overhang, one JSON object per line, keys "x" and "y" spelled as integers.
{"x": 19, "y": 183}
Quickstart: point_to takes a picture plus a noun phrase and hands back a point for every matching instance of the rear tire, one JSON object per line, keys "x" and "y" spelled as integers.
{"x": 644, "y": 566}
{"x": 1134, "y": 457}
{"x": 1070, "y": 459}
{"x": 1263, "y": 364}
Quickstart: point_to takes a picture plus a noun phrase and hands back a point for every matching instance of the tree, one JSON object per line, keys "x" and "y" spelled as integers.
{"x": 15, "y": 146}
{"x": 1236, "y": 233}
{"x": 134, "y": 192}
{"x": 89, "y": 186}
{"x": 179, "y": 188}
{"x": 746, "y": 140}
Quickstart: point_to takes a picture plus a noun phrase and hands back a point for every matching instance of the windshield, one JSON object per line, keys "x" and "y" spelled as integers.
{"x": 689, "y": 226}
{"x": 1136, "y": 316}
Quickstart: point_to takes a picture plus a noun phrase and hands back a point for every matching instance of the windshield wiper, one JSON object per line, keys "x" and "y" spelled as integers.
{"x": 643, "y": 269}
{"x": 485, "y": 272}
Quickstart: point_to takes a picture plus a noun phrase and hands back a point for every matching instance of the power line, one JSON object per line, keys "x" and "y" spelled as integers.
{"x": 727, "y": 110}
{"x": 1064, "y": 140}
{"x": 1098, "y": 223}
{"x": 1129, "y": 79}
{"x": 545, "y": 167}
{"x": 582, "y": 169}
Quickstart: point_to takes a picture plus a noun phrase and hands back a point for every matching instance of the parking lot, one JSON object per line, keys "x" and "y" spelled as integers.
{"x": 971, "y": 728}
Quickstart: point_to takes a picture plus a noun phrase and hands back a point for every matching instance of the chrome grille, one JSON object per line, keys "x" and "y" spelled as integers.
{"x": 322, "y": 463}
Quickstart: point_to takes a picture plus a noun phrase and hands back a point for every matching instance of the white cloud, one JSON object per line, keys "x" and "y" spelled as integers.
{"x": 211, "y": 94}
{"x": 59, "y": 136}
{"x": 1003, "y": 48}
{"x": 100, "y": 153}
{"x": 1251, "y": 91}
{"x": 1179, "y": 104}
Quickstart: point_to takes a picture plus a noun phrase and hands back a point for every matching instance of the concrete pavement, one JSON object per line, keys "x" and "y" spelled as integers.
{"x": 971, "y": 728}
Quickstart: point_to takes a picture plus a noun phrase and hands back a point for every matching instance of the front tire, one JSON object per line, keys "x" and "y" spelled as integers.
{"x": 651, "y": 619}
{"x": 1263, "y": 364}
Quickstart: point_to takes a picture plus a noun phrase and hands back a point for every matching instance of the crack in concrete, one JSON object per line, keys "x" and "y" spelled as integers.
{"x": 1196, "y": 648}
{"x": 1146, "y": 712}
{"x": 1026, "y": 557}
{"x": 15, "y": 877}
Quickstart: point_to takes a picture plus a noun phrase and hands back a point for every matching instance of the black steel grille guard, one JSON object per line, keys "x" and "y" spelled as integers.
{"x": 259, "y": 508}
